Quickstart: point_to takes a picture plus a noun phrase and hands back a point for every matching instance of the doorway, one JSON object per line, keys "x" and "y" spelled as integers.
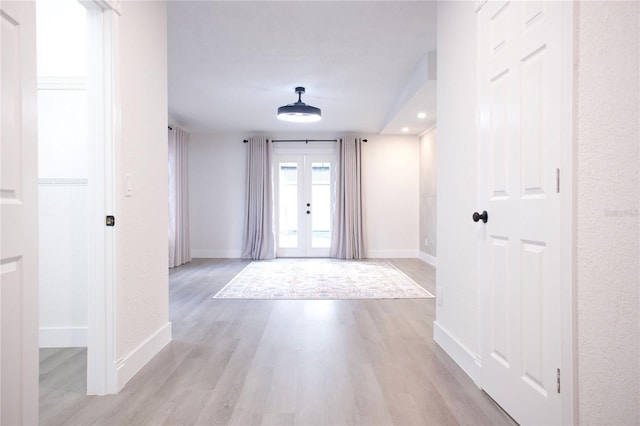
{"x": 63, "y": 173}
{"x": 304, "y": 186}
{"x": 77, "y": 112}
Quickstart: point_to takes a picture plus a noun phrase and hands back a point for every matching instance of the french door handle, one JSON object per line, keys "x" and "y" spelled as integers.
{"x": 480, "y": 216}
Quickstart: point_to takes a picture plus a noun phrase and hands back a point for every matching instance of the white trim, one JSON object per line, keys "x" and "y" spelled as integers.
{"x": 568, "y": 320}
{"x": 105, "y": 5}
{"x": 392, "y": 254}
{"x": 431, "y": 260}
{"x": 480, "y": 4}
{"x": 304, "y": 160}
{"x": 63, "y": 181}
{"x": 371, "y": 254}
{"x": 129, "y": 366}
{"x": 104, "y": 136}
{"x": 301, "y": 148}
{"x": 63, "y": 337}
{"x": 62, "y": 83}
{"x": 461, "y": 355}
{"x": 216, "y": 254}
{"x": 424, "y": 132}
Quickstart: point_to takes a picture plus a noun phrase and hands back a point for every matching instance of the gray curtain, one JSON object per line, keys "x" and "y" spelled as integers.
{"x": 179, "y": 243}
{"x": 259, "y": 238}
{"x": 348, "y": 228}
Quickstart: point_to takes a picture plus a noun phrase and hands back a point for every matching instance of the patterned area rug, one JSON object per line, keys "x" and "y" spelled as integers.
{"x": 321, "y": 279}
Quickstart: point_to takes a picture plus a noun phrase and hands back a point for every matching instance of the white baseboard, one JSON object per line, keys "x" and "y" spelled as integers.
{"x": 431, "y": 260}
{"x": 216, "y": 254}
{"x": 391, "y": 254}
{"x": 128, "y": 366}
{"x": 63, "y": 337}
{"x": 467, "y": 360}
{"x": 237, "y": 254}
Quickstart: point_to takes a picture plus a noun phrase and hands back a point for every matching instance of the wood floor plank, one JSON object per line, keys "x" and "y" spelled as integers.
{"x": 279, "y": 362}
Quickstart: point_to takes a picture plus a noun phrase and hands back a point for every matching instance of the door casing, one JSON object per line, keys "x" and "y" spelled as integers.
{"x": 303, "y": 155}
{"x": 104, "y": 132}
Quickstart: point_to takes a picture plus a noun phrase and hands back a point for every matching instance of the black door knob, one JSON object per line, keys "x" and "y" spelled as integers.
{"x": 480, "y": 217}
{"x": 308, "y": 211}
{"x": 308, "y": 204}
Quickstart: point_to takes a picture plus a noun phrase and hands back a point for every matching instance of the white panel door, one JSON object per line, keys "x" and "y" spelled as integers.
{"x": 520, "y": 69}
{"x": 18, "y": 216}
{"x": 304, "y": 197}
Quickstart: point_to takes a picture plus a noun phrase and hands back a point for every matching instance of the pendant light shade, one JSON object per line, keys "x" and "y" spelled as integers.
{"x": 299, "y": 112}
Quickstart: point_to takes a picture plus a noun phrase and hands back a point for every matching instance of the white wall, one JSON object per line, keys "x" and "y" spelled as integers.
{"x": 428, "y": 196}
{"x": 607, "y": 133}
{"x": 217, "y": 179}
{"x": 391, "y": 193}
{"x": 62, "y": 172}
{"x": 217, "y": 193}
{"x": 61, "y": 38}
{"x": 457, "y": 312}
{"x": 142, "y": 325}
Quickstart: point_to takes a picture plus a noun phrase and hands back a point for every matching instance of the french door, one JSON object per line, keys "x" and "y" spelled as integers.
{"x": 304, "y": 200}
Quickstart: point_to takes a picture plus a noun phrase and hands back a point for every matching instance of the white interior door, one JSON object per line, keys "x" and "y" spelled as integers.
{"x": 304, "y": 188}
{"x": 18, "y": 216}
{"x": 520, "y": 71}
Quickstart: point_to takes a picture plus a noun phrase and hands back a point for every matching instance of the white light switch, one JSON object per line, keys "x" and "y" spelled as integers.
{"x": 128, "y": 186}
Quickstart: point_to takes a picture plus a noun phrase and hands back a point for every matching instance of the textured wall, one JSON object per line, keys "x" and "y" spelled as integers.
{"x": 607, "y": 213}
{"x": 142, "y": 220}
{"x": 428, "y": 191}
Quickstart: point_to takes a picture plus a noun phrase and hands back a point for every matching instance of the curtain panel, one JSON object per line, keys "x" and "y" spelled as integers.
{"x": 347, "y": 241}
{"x": 179, "y": 241}
{"x": 259, "y": 238}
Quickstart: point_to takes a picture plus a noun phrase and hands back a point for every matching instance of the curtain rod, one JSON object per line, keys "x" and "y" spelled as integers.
{"x": 303, "y": 140}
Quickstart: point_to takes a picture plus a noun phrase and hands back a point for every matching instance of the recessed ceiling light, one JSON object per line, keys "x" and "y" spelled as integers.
{"x": 422, "y": 115}
{"x": 405, "y": 129}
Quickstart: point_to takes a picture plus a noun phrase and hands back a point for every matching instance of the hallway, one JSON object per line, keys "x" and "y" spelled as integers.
{"x": 251, "y": 362}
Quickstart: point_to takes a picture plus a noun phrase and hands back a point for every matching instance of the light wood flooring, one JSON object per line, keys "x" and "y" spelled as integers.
{"x": 256, "y": 362}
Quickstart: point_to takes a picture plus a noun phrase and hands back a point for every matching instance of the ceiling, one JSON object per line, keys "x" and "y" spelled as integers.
{"x": 370, "y": 66}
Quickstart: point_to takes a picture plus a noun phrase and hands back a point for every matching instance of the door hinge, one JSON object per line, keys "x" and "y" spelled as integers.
{"x": 111, "y": 221}
{"x": 558, "y": 181}
{"x": 558, "y": 380}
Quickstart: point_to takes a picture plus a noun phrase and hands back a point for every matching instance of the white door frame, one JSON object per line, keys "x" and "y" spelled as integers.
{"x": 104, "y": 130}
{"x": 567, "y": 178}
{"x": 283, "y": 152}
{"x": 568, "y": 362}
{"x": 305, "y": 222}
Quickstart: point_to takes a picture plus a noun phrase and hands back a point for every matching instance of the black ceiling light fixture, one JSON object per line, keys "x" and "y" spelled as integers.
{"x": 299, "y": 112}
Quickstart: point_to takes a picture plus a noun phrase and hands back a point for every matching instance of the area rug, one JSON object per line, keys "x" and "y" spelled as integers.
{"x": 311, "y": 279}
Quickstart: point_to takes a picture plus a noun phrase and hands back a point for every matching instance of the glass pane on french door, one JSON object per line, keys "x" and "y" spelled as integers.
{"x": 321, "y": 203}
{"x": 304, "y": 202}
{"x": 288, "y": 205}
